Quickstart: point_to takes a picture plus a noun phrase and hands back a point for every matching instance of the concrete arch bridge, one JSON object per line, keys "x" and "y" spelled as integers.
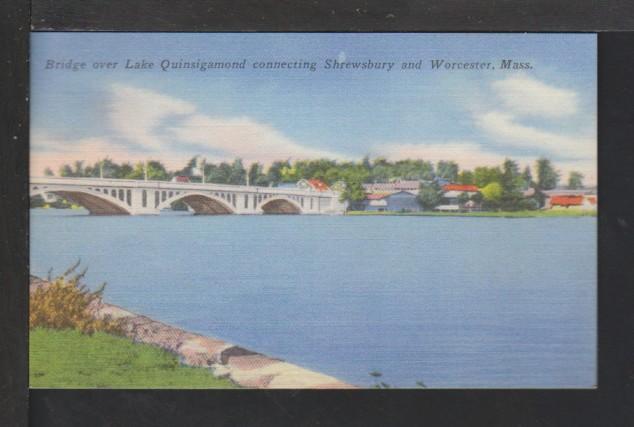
{"x": 134, "y": 197}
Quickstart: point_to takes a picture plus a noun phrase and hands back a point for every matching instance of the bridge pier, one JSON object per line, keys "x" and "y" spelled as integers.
{"x": 143, "y": 202}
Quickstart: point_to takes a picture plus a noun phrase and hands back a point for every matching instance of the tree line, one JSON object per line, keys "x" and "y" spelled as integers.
{"x": 501, "y": 187}
{"x": 504, "y": 187}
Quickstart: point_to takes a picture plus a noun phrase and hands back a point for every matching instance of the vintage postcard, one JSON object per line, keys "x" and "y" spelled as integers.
{"x": 287, "y": 210}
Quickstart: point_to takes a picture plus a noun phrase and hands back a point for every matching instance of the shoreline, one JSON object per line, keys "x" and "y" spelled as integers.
{"x": 558, "y": 213}
{"x": 244, "y": 367}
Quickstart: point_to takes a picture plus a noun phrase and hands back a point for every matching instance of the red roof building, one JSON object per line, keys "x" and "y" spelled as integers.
{"x": 318, "y": 185}
{"x": 566, "y": 200}
{"x": 460, "y": 187}
{"x": 312, "y": 184}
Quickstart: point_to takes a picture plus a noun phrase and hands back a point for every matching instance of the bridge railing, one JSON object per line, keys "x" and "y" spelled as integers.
{"x": 169, "y": 185}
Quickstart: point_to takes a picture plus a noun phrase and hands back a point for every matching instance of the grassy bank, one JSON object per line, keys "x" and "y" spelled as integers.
{"x": 70, "y": 359}
{"x": 551, "y": 213}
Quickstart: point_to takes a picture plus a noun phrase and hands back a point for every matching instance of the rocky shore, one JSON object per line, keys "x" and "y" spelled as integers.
{"x": 244, "y": 367}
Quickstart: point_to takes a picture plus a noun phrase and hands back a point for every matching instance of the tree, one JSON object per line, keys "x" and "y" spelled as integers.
{"x": 447, "y": 170}
{"x": 79, "y": 168}
{"x": 527, "y": 176}
{"x": 124, "y": 170}
{"x": 511, "y": 183}
{"x": 466, "y": 177}
{"x": 110, "y": 169}
{"x": 238, "y": 173}
{"x": 66, "y": 171}
{"x": 484, "y": 175}
{"x": 353, "y": 193}
{"x": 429, "y": 195}
{"x": 155, "y": 171}
{"x": 547, "y": 176}
{"x": 575, "y": 180}
{"x": 257, "y": 176}
{"x": 381, "y": 170}
{"x": 492, "y": 194}
{"x": 274, "y": 173}
{"x": 48, "y": 172}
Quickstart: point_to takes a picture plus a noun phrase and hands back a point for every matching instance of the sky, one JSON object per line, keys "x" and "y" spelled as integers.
{"x": 475, "y": 117}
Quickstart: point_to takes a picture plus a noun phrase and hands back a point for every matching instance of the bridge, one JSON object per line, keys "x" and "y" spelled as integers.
{"x": 134, "y": 197}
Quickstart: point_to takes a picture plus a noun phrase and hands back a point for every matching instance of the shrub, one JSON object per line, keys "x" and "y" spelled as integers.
{"x": 66, "y": 303}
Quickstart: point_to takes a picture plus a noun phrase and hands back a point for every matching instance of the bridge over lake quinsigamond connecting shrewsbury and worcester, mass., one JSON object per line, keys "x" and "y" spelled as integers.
{"x": 104, "y": 196}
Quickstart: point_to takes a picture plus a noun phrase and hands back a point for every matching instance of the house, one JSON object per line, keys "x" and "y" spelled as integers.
{"x": 452, "y": 195}
{"x": 312, "y": 184}
{"x": 400, "y": 201}
{"x": 411, "y": 186}
{"x": 306, "y": 184}
{"x": 584, "y": 201}
{"x": 558, "y": 199}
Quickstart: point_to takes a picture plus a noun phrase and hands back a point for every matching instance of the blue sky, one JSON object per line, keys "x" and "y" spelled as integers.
{"x": 474, "y": 117}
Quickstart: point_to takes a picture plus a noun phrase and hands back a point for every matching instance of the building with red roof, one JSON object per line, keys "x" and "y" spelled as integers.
{"x": 463, "y": 188}
{"x": 584, "y": 198}
{"x": 312, "y": 184}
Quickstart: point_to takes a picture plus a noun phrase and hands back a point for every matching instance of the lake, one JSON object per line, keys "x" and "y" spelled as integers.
{"x": 449, "y": 301}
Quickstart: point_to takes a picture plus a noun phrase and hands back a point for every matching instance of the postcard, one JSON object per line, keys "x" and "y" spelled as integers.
{"x": 313, "y": 210}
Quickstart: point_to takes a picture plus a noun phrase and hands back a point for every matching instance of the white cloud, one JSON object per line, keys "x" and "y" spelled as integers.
{"x": 504, "y": 129}
{"x": 244, "y": 138}
{"x": 524, "y": 95}
{"x": 135, "y": 114}
{"x": 153, "y": 125}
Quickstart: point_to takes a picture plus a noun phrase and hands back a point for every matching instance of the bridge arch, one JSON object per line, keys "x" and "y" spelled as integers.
{"x": 201, "y": 203}
{"x": 93, "y": 201}
{"x": 280, "y": 206}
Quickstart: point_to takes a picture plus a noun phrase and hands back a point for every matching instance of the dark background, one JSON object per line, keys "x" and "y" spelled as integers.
{"x": 612, "y": 404}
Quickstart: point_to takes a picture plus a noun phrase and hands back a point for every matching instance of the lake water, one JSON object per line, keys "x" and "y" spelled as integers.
{"x": 452, "y": 302}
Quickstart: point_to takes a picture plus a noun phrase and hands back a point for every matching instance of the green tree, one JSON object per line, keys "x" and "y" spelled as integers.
{"x": 274, "y": 173}
{"x": 238, "y": 175}
{"x": 575, "y": 180}
{"x": 257, "y": 175}
{"x": 447, "y": 170}
{"x": 124, "y": 170}
{"x": 353, "y": 193}
{"x": 484, "y": 175}
{"x": 66, "y": 171}
{"x": 78, "y": 169}
{"x": 429, "y": 195}
{"x": 466, "y": 177}
{"x": 547, "y": 176}
{"x": 527, "y": 176}
{"x": 48, "y": 172}
{"x": 511, "y": 183}
{"x": 381, "y": 170}
{"x": 492, "y": 195}
{"x": 155, "y": 171}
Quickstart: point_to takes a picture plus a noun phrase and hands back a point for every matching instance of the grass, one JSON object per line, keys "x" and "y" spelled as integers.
{"x": 551, "y": 213}
{"x": 70, "y": 359}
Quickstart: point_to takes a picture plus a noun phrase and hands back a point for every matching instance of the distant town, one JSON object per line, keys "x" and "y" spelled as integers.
{"x": 372, "y": 185}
